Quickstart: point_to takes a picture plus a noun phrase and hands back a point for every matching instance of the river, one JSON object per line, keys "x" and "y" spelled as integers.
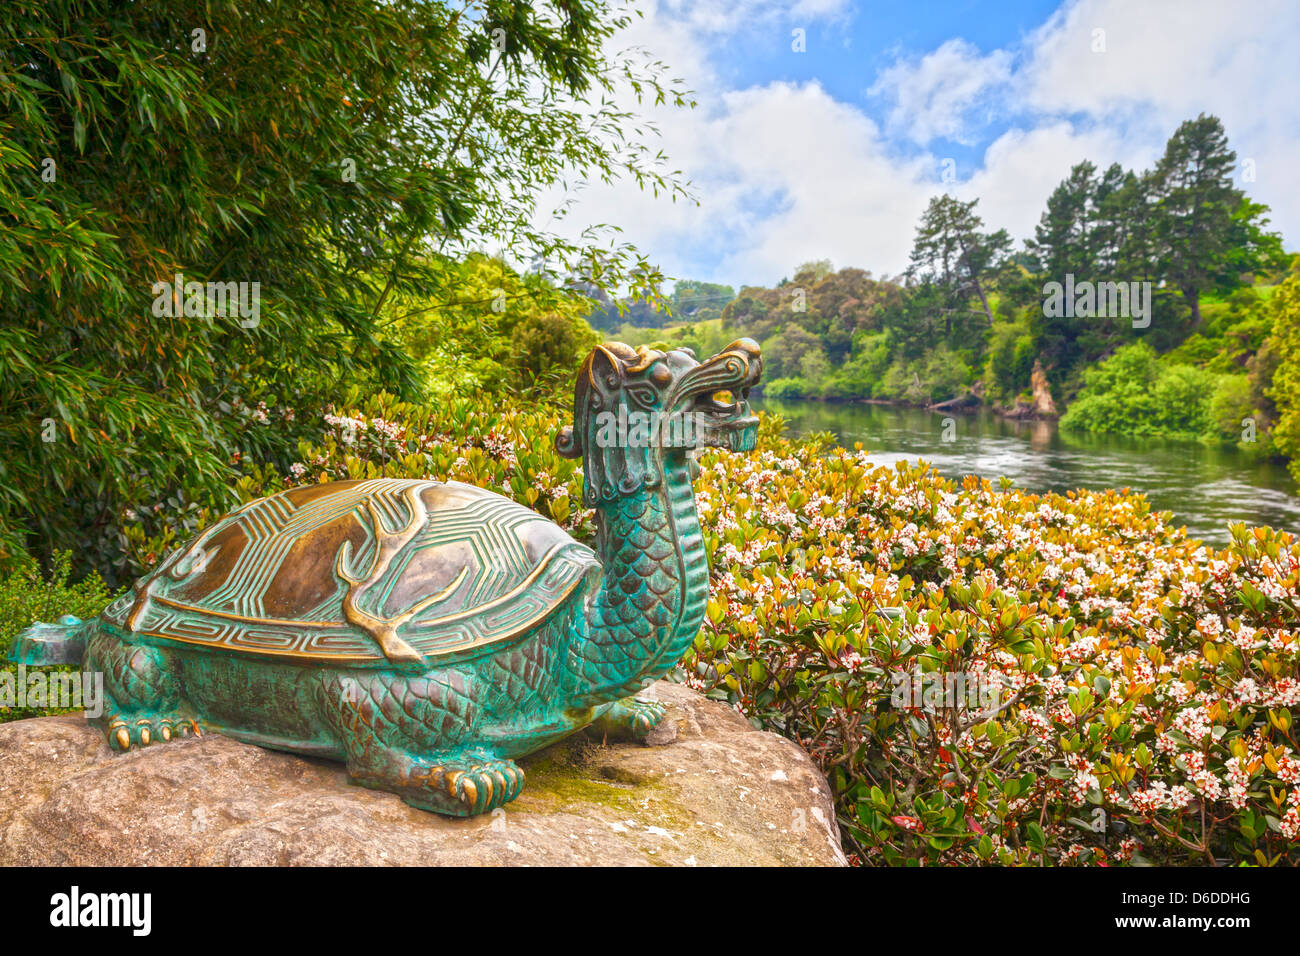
{"x": 1205, "y": 486}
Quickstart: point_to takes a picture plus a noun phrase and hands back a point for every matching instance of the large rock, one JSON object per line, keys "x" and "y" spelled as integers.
{"x": 1044, "y": 407}
{"x": 1040, "y": 407}
{"x": 711, "y": 791}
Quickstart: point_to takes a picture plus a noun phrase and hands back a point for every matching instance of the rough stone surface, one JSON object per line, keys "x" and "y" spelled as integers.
{"x": 709, "y": 790}
{"x": 1040, "y": 408}
{"x": 1044, "y": 407}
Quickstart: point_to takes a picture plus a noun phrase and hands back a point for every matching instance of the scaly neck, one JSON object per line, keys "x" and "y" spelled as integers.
{"x": 655, "y": 588}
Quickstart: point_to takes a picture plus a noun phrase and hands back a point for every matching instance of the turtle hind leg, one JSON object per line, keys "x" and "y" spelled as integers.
{"x": 142, "y": 698}
{"x": 413, "y": 736}
{"x": 630, "y": 718}
{"x": 460, "y": 785}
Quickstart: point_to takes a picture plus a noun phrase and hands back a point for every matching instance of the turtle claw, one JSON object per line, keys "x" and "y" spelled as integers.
{"x": 124, "y": 735}
{"x": 633, "y": 717}
{"x": 480, "y": 788}
{"x": 644, "y": 715}
{"x": 119, "y": 737}
{"x": 465, "y": 789}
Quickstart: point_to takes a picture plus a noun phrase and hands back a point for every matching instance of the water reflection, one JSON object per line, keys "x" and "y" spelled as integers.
{"x": 1205, "y": 486}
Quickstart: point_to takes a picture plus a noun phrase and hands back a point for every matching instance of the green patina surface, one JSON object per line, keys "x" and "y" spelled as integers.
{"x": 428, "y": 634}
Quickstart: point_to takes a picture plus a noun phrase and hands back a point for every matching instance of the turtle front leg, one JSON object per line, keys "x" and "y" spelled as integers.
{"x": 630, "y": 718}
{"x": 142, "y": 696}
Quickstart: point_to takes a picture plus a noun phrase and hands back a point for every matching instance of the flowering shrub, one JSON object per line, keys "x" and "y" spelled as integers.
{"x": 496, "y": 446}
{"x": 1147, "y": 683}
{"x": 1144, "y": 685}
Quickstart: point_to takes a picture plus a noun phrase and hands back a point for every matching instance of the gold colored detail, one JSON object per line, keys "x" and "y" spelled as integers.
{"x": 387, "y": 546}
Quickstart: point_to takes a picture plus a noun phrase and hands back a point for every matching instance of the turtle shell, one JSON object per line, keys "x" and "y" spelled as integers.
{"x": 356, "y": 571}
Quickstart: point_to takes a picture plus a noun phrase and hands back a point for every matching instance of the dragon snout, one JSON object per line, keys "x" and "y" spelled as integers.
{"x": 737, "y": 368}
{"x": 752, "y": 356}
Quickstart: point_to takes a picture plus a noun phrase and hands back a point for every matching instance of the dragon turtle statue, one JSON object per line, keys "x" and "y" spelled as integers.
{"x": 429, "y": 633}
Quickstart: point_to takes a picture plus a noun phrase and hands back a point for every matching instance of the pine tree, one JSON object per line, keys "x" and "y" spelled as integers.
{"x": 1201, "y": 221}
{"x": 1063, "y": 240}
{"x": 953, "y": 255}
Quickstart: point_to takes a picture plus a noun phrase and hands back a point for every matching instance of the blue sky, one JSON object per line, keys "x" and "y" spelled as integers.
{"x": 834, "y": 151}
{"x": 850, "y": 49}
{"x": 847, "y": 54}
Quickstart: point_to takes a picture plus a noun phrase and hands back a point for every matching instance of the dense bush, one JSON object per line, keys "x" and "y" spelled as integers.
{"x": 1284, "y": 348}
{"x": 505, "y": 332}
{"x": 340, "y": 181}
{"x": 1010, "y": 362}
{"x": 783, "y": 389}
{"x": 940, "y": 374}
{"x": 27, "y": 596}
{"x": 1134, "y": 392}
{"x": 860, "y": 373}
{"x": 1149, "y": 683}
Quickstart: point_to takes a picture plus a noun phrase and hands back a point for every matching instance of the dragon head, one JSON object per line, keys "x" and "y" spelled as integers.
{"x": 633, "y": 409}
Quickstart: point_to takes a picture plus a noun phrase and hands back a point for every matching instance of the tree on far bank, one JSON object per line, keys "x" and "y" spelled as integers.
{"x": 1205, "y": 231}
{"x": 952, "y": 255}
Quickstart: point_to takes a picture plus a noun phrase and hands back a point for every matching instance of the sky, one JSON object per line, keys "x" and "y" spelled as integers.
{"x": 823, "y": 127}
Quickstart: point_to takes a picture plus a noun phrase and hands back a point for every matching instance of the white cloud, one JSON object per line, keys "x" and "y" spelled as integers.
{"x": 1022, "y": 167}
{"x": 843, "y": 197}
{"x": 1176, "y": 59}
{"x": 718, "y": 16}
{"x": 933, "y": 94}
{"x": 1165, "y": 63}
{"x": 785, "y": 172}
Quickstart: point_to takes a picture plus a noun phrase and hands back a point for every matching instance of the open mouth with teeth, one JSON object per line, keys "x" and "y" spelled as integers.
{"x": 724, "y": 420}
{"x": 716, "y": 394}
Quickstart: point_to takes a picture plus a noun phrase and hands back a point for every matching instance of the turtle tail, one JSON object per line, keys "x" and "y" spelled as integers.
{"x": 63, "y": 642}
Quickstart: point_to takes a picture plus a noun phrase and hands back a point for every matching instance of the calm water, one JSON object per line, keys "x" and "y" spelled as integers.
{"x": 1206, "y": 487}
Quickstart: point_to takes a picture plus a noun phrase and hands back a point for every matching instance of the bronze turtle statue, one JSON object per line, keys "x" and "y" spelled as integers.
{"x": 428, "y": 633}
